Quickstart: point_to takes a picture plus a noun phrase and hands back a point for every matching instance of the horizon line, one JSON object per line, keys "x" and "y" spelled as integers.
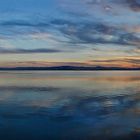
{"x": 77, "y": 68}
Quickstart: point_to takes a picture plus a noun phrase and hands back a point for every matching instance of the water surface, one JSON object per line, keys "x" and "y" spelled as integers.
{"x": 69, "y": 105}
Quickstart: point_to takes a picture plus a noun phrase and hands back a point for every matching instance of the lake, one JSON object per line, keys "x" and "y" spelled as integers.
{"x": 69, "y": 105}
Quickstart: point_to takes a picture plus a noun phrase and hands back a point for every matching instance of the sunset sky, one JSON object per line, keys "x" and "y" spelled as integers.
{"x": 70, "y": 32}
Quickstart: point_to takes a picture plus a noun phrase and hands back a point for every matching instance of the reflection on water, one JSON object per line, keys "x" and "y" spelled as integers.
{"x": 70, "y": 105}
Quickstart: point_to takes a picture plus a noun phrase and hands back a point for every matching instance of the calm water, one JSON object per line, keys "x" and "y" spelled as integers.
{"x": 69, "y": 105}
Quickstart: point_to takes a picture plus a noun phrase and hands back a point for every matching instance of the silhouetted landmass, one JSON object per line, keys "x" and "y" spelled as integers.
{"x": 76, "y": 68}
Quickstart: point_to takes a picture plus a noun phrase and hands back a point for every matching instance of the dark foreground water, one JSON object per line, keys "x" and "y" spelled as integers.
{"x": 70, "y": 105}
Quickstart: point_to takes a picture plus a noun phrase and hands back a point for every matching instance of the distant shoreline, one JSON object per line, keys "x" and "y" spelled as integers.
{"x": 69, "y": 68}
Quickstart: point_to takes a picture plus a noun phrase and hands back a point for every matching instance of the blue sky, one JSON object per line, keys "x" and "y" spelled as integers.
{"x": 65, "y": 32}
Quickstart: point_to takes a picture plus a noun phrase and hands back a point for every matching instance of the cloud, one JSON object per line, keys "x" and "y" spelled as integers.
{"x": 117, "y": 62}
{"x": 128, "y": 60}
{"x": 23, "y": 23}
{"x": 105, "y": 24}
{"x": 19, "y": 28}
{"x": 68, "y": 32}
{"x": 22, "y": 51}
{"x": 61, "y": 22}
{"x": 100, "y": 33}
{"x": 71, "y": 32}
{"x": 134, "y": 5}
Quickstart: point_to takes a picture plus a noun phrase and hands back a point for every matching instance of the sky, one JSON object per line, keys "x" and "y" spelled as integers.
{"x": 70, "y": 32}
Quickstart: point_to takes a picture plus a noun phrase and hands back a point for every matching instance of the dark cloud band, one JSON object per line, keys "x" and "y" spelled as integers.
{"x": 22, "y": 51}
